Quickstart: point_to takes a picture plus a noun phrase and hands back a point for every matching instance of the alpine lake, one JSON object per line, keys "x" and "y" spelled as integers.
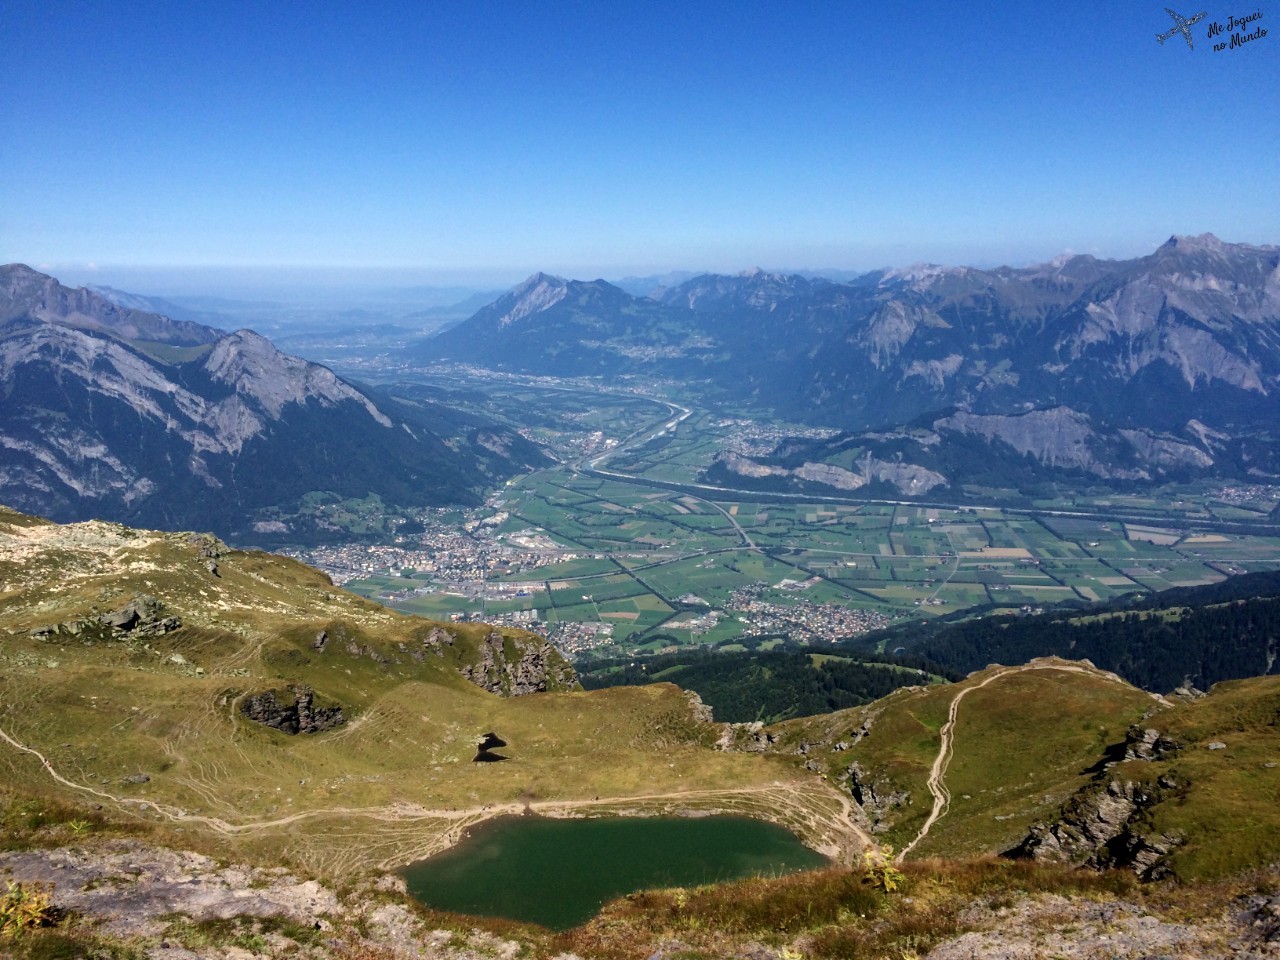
{"x": 559, "y": 872}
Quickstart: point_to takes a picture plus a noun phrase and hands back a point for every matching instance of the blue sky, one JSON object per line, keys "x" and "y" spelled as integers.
{"x": 478, "y": 142}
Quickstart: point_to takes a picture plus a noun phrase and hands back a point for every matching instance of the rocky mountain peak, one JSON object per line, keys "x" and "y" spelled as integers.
{"x": 1205, "y": 242}
{"x": 919, "y": 276}
{"x": 15, "y": 275}
{"x": 540, "y": 278}
{"x": 251, "y": 363}
{"x": 536, "y": 294}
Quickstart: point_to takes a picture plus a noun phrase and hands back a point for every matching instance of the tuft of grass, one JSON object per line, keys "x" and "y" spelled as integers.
{"x": 57, "y": 944}
{"x": 252, "y": 933}
{"x": 24, "y": 907}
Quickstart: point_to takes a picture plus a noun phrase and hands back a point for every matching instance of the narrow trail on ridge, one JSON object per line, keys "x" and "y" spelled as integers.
{"x": 937, "y": 785}
{"x": 451, "y": 824}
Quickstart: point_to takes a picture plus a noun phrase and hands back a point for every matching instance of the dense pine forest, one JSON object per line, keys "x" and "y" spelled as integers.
{"x": 1187, "y": 636}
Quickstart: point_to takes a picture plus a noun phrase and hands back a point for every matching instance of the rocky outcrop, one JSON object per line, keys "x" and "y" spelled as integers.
{"x": 910, "y": 479}
{"x": 300, "y": 716}
{"x": 143, "y": 616}
{"x": 877, "y": 797}
{"x": 209, "y": 549}
{"x": 1147, "y": 744}
{"x": 746, "y": 737}
{"x": 436, "y": 640}
{"x": 1106, "y": 826}
{"x": 515, "y": 666}
{"x": 701, "y": 712}
{"x": 1261, "y": 916}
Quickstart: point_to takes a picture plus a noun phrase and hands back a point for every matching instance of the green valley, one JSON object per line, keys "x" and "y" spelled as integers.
{"x": 623, "y": 547}
{"x": 174, "y": 713}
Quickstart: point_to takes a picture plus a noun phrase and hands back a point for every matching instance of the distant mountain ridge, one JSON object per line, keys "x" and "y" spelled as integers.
{"x": 567, "y": 327}
{"x": 167, "y": 308}
{"x": 1162, "y": 366}
{"x": 121, "y": 414}
{"x": 27, "y": 294}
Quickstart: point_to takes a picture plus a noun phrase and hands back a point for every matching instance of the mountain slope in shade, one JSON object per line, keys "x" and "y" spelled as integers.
{"x": 117, "y": 414}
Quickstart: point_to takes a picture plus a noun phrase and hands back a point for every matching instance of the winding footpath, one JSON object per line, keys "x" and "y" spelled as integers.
{"x": 937, "y": 785}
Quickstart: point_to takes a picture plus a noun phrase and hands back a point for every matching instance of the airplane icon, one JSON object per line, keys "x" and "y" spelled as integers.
{"x": 1183, "y": 27}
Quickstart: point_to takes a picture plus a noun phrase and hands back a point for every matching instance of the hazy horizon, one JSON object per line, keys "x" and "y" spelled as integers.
{"x": 239, "y": 282}
{"x": 459, "y": 144}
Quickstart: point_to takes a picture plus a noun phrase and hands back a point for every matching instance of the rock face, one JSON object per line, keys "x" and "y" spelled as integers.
{"x": 697, "y": 709}
{"x": 301, "y": 716}
{"x": 513, "y": 667}
{"x": 1102, "y": 827}
{"x": 1148, "y": 744}
{"x": 143, "y": 616}
{"x": 877, "y": 798}
{"x": 908, "y": 478}
{"x": 1163, "y": 366}
{"x": 1062, "y": 437}
{"x": 118, "y": 414}
{"x": 130, "y": 888}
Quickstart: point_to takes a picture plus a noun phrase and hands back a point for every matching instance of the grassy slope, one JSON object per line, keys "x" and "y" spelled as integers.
{"x": 1229, "y": 812}
{"x": 1023, "y": 744}
{"x": 1028, "y": 740}
{"x": 104, "y": 712}
{"x": 392, "y": 784}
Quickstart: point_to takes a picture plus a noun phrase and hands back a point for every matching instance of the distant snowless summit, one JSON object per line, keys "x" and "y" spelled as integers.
{"x": 1161, "y": 367}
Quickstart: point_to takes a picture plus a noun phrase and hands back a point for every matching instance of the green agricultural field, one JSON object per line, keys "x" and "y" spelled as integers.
{"x": 907, "y": 560}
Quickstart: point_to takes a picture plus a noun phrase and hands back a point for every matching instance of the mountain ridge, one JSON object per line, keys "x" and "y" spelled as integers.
{"x": 1161, "y": 367}
{"x": 125, "y": 415}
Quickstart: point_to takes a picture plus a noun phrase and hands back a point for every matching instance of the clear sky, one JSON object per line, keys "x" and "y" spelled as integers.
{"x": 480, "y": 141}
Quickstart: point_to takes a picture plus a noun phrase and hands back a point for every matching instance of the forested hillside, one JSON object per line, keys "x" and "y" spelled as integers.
{"x": 1191, "y": 635}
{"x": 768, "y": 686}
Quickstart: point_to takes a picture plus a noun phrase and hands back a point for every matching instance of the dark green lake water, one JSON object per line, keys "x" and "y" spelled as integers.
{"x": 558, "y": 873}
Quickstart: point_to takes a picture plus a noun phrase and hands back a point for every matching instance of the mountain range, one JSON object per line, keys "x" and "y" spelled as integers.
{"x": 124, "y": 414}
{"x": 1161, "y": 367}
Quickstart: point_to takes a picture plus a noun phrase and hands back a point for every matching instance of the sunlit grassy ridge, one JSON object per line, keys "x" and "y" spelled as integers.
{"x": 152, "y": 727}
{"x": 1026, "y": 740}
{"x": 1229, "y": 808}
